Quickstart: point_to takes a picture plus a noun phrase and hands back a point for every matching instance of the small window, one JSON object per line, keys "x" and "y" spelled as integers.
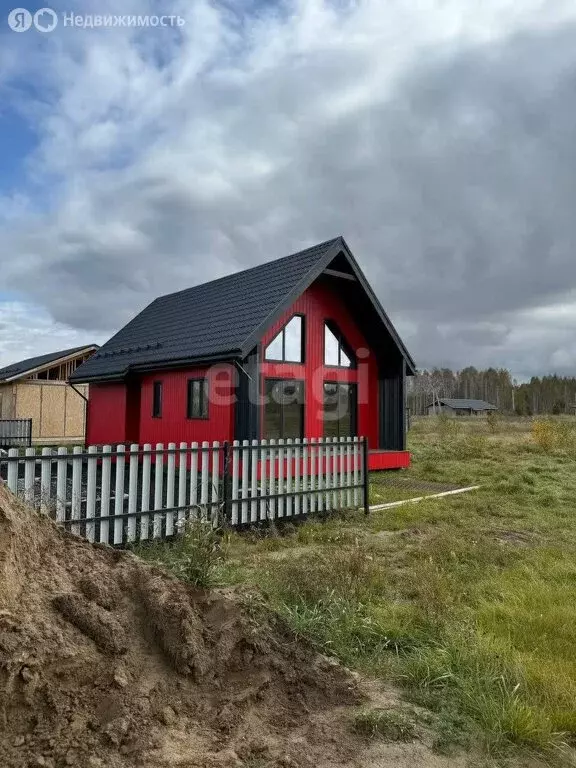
{"x": 157, "y": 400}
{"x": 340, "y": 406}
{"x": 337, "y": 353}
{"x": 288, "y": 345}
{"x": 284, "y": 409}
{"x": 197, "y": 406}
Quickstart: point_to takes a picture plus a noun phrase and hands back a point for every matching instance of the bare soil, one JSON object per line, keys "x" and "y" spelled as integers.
{"x": 106, "y": 661}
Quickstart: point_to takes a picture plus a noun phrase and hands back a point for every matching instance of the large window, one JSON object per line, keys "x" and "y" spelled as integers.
{"x": 283, "y": 409}
{"x": 197, "y": 401}
{"x": 340, "y": 406}
{"x": 288, "y": 345}
{"x": 157, "y": 400}
{"x": 337, "y": 353}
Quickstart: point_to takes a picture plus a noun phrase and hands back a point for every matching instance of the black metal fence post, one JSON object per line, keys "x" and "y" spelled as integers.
{"x": 365, "y": 476}
{"x": 226, "y": 485}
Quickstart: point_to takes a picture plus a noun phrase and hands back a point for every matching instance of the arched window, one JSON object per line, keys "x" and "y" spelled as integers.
{"x": 337, "y": 353}
{"x": 288, "y": 345}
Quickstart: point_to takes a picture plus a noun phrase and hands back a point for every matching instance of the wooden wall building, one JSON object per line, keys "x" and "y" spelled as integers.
{"x": 37, "y": 389}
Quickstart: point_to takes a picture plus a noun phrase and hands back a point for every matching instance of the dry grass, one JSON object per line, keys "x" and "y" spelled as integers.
{"x": 468, "y": 602}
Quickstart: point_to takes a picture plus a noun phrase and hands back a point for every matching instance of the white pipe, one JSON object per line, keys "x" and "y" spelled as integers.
{"x": 392, "y": 504}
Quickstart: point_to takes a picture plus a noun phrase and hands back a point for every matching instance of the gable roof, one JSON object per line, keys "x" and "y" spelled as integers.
{"x": 222, "y": 319}
{"x": 456, "y": 402}
{"x": 17, "y": 370}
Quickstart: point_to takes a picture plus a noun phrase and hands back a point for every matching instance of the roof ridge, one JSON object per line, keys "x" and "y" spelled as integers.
{"x": 250, "y": 269}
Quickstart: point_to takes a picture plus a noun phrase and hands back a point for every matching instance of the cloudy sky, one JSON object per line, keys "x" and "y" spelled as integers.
{"x": 438, "y": 136}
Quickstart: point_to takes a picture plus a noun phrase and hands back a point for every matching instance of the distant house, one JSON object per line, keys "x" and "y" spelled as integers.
{"x": 37, "y": 389}
{"x": 454, "y": 406}
{"x": 294, "y": 348}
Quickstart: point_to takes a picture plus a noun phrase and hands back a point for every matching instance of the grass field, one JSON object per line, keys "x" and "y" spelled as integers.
{"x": 468, "y": 603}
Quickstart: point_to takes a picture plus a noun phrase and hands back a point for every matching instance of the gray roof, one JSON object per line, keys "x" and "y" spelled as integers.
{"x": 475, "y": 405}
{"x": 222, "y": 319}
{"x": 16, "y": 370}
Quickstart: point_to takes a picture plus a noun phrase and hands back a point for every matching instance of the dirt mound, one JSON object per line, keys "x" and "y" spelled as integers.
{"x": 107, "y": 661}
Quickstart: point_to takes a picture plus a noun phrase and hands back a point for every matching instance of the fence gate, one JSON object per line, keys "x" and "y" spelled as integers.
{"x": 15, "y": 433}
{"x": 123, "y": 494}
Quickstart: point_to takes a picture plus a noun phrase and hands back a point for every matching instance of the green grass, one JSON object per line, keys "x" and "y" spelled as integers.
{"x": 468, "y": 602}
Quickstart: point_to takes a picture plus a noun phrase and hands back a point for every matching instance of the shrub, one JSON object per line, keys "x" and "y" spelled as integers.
{"x": 492, "y": 421}
{"x": 194, "y": 555}
{"x": 389, "y": 724}
{"x": 202, "y": 551}
{"x": 553, "y": 434}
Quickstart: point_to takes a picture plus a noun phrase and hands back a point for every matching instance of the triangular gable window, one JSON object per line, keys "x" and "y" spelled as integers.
{"x": 288, "y": 345}
{"x": 337, "y": 352}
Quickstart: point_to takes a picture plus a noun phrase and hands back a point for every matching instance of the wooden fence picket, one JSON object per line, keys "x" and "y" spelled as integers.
{"x": 45, "y": 480}
{"x": 158, "y": 489}
{"x": 281, "y": 486}
{"x": 214, "y": 510}
{"x": 245, "y": 490}
{"x": 271, "y": 511}
{"x": 132, "y": 493}
{"x": 183, "y": 462}
{"x": 91, "y": 474}
{"x": 61, "y": 479}
{"x": 119, "y": 495}
{"x": 205, "y": 480}
{"x": 12, "y": 477}
{"x": 146, "y": 486}
{"x": 123, "y": 494}
{"x": 194, "y": 479}
{"x": 235, "y": 481}
{"x": 312, "y": 497}
{"x": 105, "y": 493}
{"x": 170, "y": 490}
{"x": 263, "y": 479}
{"x": 29, "y": 468}
{"x": 289, "y": 477}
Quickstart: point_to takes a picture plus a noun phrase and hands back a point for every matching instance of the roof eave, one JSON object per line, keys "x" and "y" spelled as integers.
{"x": 160, "y": 365}
{"x": 51, "y": 364}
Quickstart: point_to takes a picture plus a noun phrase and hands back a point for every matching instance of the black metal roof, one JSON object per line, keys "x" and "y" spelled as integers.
{"x": 457, "y": 402}
{"x": 222, "y": 319}
{"x": 15, "y": 370}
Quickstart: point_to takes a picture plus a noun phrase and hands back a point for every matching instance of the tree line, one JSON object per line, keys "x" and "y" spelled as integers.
{"x": 541, "y": 395}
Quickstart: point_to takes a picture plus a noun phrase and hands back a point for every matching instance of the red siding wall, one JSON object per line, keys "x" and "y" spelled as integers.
{"x": 106, "y": 416}
{"x": 174, "y": 427}
{"x": 319, "y": 303}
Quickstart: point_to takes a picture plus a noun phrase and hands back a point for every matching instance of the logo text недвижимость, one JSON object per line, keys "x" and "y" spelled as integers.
{"x": 46, "y": 20}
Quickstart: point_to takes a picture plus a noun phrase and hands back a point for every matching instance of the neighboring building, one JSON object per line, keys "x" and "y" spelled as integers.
{"x": 454, "y": 406}
{"x": 298, "y": 347}
{"x": 37, "y": 389}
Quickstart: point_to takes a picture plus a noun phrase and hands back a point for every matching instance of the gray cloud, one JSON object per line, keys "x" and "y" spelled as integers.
{"x": 453, "y": 183}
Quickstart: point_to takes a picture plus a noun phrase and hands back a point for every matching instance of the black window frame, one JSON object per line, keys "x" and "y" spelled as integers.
{"x": 275, "y": 380}
{"x": 334, "y": 328}
{"x": 352, "y": 401}
{"x": 283, "y": 332}
{"x": 204, "y": 399}
{"x": 157, "y": 392}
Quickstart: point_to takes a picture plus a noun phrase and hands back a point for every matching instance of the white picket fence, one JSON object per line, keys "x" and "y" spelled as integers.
{"x": 123, "y": 494}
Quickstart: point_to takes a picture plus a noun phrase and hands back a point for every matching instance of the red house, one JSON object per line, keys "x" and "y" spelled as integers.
{"x": 297, "y": 347}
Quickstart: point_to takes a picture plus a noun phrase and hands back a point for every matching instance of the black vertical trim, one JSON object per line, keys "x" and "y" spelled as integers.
{"x": 247, "y": 415}
{"x": 402, "y": 384}
{"x": 366, "y": 476}
{"x": 392, "y": 396}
